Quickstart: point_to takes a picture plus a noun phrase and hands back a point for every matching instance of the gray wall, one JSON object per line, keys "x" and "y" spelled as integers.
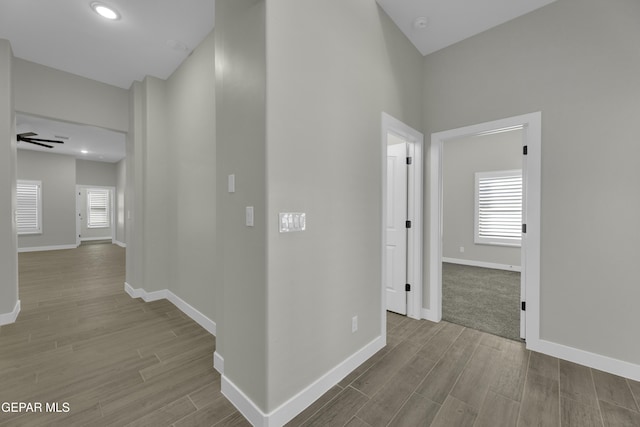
{"x": 329, "y": 78}
{"x": 8, "y": 239}
{"x": 121, "y": 209}
{"x": 191, "y": 126}
{"x": 462, "y": 158}
{"x": 576, "y": 61}
{"x": 102, "y": 174}
{"x": 241, "y": 147}
{"x": 58, "y": 175}
{"x": 47, "y": 92}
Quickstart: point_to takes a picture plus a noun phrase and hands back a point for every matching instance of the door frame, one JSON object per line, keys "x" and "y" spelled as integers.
{"x": 415, "y": 196}
{"x": 530, "y": 250}
{"x": 112, "y": 210}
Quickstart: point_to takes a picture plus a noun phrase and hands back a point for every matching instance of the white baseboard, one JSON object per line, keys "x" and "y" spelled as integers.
{"x": 586, "y": 358}
{"x": 122, "y": 245}
{"x": 482, "y": 264}
{"x": 582, "y": 357}
{"x": 92, "y": 239}
{"x": 429, "y": 315}
{"x": 218, "y": 362}
{"x": 288, "y": 410}
{"x": 8, "y": 318}
{"x": 46, "y": 248}
{"x": 202, "y": 320}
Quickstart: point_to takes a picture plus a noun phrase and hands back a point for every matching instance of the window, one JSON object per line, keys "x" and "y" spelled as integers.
{"x": 498, "y": 213}
{"x": 29, "y": 207}
{"x": 98, "y": 208}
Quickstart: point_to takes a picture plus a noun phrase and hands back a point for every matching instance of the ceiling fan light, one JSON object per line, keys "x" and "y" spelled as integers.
{"x": 105, "y": 11}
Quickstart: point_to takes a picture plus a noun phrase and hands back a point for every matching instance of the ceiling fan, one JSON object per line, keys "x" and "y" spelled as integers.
{"x": 27, "y": 137}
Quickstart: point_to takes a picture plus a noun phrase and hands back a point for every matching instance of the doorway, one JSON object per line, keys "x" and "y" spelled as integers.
{"x": 402, "y": 166}
{"x": 95, "y": 214}
{"x": 482, "y": 217}
{"x": 530, "y": 231}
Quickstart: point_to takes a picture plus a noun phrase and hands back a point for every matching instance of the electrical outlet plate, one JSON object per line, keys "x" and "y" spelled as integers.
{"x": 292, "y": 221}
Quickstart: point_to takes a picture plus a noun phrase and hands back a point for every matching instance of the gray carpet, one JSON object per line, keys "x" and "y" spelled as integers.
{"x": 482, "y": 298}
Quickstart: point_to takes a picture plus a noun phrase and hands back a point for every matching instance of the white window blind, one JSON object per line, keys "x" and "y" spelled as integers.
{"x": 98, "y": 208}
{"x": 29, "y": 207}
{"x": 498, "y": 216}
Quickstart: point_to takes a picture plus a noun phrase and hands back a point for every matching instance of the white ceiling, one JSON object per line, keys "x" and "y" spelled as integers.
{"x": 451, "y": 21}
{"x": 69, "y": 36}
{"x": 102, "y": 145}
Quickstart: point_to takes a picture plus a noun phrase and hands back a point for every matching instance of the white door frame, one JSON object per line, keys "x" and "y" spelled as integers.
{"x": 415, "y": 141}
{"x": 530, "y": 253}
{"x": 112, "y": 209}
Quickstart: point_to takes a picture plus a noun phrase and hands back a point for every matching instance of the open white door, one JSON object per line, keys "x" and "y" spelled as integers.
{"x": 396, "y": 231}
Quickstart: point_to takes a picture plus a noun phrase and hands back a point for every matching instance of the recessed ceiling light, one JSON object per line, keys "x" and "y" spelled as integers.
{"x": 105, "y": 11}
{"x": 84, "y": 151}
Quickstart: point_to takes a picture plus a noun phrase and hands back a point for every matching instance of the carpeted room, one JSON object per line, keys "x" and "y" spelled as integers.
{"x": 481, "y": 259}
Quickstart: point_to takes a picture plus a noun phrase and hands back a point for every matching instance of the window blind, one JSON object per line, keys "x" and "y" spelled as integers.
{"x": 29, "y": 207}
{"x": 499, "y": 207}
{"x": 98, "y": 208}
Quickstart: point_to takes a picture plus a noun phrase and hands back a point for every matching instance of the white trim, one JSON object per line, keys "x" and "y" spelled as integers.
{"x": 8, "y": 318}
{"x": 292, "y": 407}
{"x": 46, "y": 248}
{"x": 112, "y": 212}
{"x": 530, "y": 254}
{"x": 586, "y": 358}
{"x": 218, "y": 362}
{"x": 482, "y": 264}
{"x": 415, "y": 140}
{"x": 122, "y": 245}
{"x": 429, "y": 315}
{"x": 202, "y": 320}
{"x": 193, "y": 313}
{"x": 91, "y": 239}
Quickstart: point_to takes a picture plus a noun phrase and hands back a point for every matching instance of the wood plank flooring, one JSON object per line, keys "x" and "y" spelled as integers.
{"x": 118, "y": 361}
{"x": 446, "y": 375}
{"x": 80, "y": 339}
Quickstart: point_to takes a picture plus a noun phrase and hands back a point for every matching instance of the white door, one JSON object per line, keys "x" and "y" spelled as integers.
{"x": 396, "y": 230}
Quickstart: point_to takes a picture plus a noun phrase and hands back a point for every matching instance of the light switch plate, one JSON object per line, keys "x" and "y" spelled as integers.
{"x": 231, "y": 183}
{"x": 249, "y": 216}
{"x": 292, "y": 221}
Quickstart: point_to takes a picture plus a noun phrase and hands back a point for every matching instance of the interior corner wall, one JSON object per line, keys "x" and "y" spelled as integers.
{"x": 121, "y": 184}
{"x": 8, "y": 239}
{"x": 158, "y": 195}
{"x": 55, "y": 94}
{"x": 327, "y": 90}
{"x": 240, "y": 71}
{"x": 57, "y": 173}
{"x": 584, "y": 76}
{"x": 461, "y": 159}
{"x": 191, "y": 127}
{"x": 134, "y": 193}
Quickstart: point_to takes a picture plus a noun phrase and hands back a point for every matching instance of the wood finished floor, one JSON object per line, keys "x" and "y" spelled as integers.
{"x": 116, "y": 360}
{"x": 119, "y": 361}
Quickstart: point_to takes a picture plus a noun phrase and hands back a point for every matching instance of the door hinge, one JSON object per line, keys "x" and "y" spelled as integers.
{"x": 524, "y": 228}
{"x": 407, "y": 224}
{"x": 523, "y": 306}
{"x": 409, "y": 160}
{"x": 525, "y": 150}
{"x": 407, "y": 287}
